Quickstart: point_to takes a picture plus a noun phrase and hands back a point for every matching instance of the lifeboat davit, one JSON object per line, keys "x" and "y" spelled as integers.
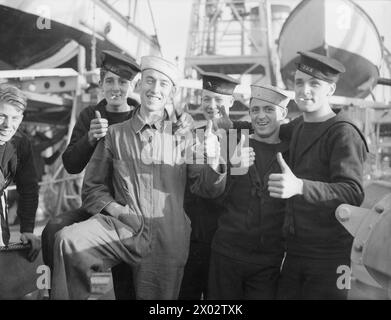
{"x": 339, "y": 29}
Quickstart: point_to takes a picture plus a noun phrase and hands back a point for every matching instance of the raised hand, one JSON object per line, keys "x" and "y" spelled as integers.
{"x": 243, "y": 157}
{"x": 212, "y": 146}
{"x": 224, "y": 122}
{"x": 98, "y": 128}
{"x": 35, "y": 243}
{"x": 184, "y": 124}
{"x": 284, "y": 185}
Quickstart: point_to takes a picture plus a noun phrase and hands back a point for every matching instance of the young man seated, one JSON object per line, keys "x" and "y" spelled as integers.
{"x": 17, "y": 165}
{"x": 134, "y": 189}
{"x": 18, "y": 274}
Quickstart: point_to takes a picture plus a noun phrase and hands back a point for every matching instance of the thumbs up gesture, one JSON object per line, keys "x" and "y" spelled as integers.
{"x": 285, "y": 184}
{"x": 98, "y": 128}
{"x": 212, "y": 146}
{"x": 184, "y": 124}
{"x": 243, "y": 157}
{"x": 223, "y": 122}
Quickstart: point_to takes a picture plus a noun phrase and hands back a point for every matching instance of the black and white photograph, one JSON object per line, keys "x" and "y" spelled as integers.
{"x": 204, "y": 153}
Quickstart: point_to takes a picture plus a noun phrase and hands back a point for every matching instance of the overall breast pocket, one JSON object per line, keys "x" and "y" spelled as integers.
{"x": 125, "y": 193}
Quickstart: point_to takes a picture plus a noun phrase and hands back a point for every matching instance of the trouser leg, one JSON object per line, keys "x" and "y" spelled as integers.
{"x": 195, "y": 278}
{"x": 290, "y": 281}
{"x": 321, "y": 279}
{"x": 225, "y": 278}
{"x": 84, "y": 247}
{"x": 261, "y": 280}
{"x": 56, "y": 224}
{"x": 309, "y": 278}
{"x": 154, "y": 281}
{"x": 123, "y": 282}
{"x": 122, "y": 273}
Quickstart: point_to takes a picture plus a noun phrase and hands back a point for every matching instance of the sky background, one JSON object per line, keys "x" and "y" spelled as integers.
{"x": 172, "y": 19}
{"x": 173, "y": 30}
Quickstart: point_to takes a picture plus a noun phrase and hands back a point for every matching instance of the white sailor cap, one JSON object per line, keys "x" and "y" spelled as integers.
{"x": 161, "y": 65}
{"x": 269, "y": 94}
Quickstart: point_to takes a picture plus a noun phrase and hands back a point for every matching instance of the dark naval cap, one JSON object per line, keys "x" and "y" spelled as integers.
{"x": 120, "y": 64}
{"x": 218, "y": 83}
{"x": 320, "y": 67}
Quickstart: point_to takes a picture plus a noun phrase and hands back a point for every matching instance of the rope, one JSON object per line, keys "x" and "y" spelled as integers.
{"x": 154, "y": 26}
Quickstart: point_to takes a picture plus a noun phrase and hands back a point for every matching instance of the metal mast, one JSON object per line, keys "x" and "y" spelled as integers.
{"x": 231, "y": 37}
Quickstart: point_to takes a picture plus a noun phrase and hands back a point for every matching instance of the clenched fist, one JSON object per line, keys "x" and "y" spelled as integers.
{"x": 35, "y": 243}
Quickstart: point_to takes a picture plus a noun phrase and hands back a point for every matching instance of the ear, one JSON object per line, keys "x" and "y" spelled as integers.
{"x": 284, "y": 113}
{"x": 231, "y": 102}
{"x": 333, "y": 86}
{"x": 135, "y": 81}
{"x": 281, "y": 113}
{"x": 173, "y": 91}
{"x": 249, "y": 106}
{"x": 137, "y": 85}
{"x": 21, "y": 119}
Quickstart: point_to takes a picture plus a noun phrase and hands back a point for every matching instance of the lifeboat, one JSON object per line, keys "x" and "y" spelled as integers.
{"x": 339, "y": 29}
{"x": 46, "y": 34}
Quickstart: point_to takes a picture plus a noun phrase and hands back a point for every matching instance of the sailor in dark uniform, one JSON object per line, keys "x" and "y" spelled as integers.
{"x": 17, "y": 165}
{"x": 248, "y": 246}
{"x": 324, "y": 170}
{"x": 217, "y": 99}
{"x": 116, "y": 74}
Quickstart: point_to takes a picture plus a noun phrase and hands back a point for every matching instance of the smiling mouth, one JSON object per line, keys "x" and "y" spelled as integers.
{"x": 153, "y": 98}
{"x": 305, "y": 99}
{"x": 212, "y": 112}
{"x": 262, "y": 124}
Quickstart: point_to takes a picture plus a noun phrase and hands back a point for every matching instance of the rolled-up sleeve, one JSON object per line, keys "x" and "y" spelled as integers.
{"x": 26, "y": 182}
